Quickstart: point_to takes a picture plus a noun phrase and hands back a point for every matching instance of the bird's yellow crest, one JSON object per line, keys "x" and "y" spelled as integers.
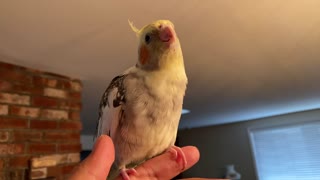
{"x": 134, "y": 29}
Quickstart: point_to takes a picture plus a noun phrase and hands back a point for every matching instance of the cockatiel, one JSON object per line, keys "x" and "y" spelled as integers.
{"x": 141, "y": 108}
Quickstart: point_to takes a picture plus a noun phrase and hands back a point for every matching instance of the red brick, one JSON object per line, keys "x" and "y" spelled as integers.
{"x": 39, "y": 81}
{"x": 76, "y": 86}
{"x": 3, "y": 109}
{"x": 54, "y": 114}
{"x": 17, "y": 174}
{"x": 69, "y": 148}
{"x": 74, "y": 105}
{"x": 14, "y": 75}
{"x": 42, "y": 124}
{"x": 74, "y": 115}
{"x": 24, "y": 111}
{"x": 61, "y": 84}
{"x": 19, "y": 161}
{"x": 14, "y": 67}
{"x": 27, "y": 89}
{"x": 56, "y": 93}
{"x": 55, "y": 159}
{"x": 45, "y": 102}
{"x": 4, "y": 136}
{"x": 40, "y": 173}
{"x": 42, "y": 148}
{"x": 68, "y": 168}
{"x": 26, "y": 136}
{"x": 76, "y": 125}
{"x": 19, "y": 88}
{"x": 14, "y": 98}
{"x": 51, "y": 82}
{"x": 64, "y": 84}
{"x": 3, "y": 175}
{"x": 13, "y": 123}
{"x": 61, "y": 136}
{"x": 10, "y": 149}
{"x": 33, "y": 71}
{"x": 64, "y": 105}
{"x": 75, "y": 95}
{"x": 2, "y": 164}
{"x": 5, "y": 85}
{"x": 53, "y": 103}
{"x": 48, "y": 102}
{"x": 5, "y": 65}
{"x": 54, "y": 172}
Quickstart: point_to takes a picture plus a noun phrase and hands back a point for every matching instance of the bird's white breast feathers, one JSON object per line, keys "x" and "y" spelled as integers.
{"x": 152, "y": 109}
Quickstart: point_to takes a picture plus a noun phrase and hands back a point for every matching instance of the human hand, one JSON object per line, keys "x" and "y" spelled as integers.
{"x": 97, "y": 165}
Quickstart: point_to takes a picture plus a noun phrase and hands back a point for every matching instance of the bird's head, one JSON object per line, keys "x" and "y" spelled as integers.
{"x": 159, "y": 46}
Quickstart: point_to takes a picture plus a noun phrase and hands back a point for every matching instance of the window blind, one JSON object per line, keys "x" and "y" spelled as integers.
{"x": 290, "y": 152}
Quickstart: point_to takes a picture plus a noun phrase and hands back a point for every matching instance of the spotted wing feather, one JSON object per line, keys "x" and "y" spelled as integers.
{"x": 110, "y": 107}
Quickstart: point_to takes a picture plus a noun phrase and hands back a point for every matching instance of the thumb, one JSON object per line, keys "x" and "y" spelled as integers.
{"x": 97, "y": 164}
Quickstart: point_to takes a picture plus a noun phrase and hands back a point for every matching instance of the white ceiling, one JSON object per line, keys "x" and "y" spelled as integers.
{"x": 244, "y": 59}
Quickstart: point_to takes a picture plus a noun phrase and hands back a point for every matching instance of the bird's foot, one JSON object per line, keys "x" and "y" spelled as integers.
{"x": 126, "y": 172}
{"x": 179, "y": 156}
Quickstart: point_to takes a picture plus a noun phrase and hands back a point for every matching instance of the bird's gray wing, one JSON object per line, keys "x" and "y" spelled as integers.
{"x": 110, "y": 108}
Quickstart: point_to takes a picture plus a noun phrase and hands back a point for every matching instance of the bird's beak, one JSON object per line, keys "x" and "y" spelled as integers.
{"x": 166, "y": 34}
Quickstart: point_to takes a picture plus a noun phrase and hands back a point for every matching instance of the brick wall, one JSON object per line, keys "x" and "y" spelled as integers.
{"x": 39, "y": 123}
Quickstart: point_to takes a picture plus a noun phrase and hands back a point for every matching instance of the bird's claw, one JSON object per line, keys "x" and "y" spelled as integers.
{"x": 179, "y": 156}
{"x": 126, "y": 172}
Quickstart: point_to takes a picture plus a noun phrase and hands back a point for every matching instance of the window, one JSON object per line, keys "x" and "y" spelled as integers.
{"x": 289, "y": 152}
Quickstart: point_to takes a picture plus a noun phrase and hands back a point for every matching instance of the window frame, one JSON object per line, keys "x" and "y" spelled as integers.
{"x": 306, "y": 120}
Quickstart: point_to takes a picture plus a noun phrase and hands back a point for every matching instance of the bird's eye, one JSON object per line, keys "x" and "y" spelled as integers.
{"x": 147, "y": 38}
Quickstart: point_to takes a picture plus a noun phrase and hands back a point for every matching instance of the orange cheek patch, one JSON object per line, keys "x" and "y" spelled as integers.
{"x": 144, "y": 55}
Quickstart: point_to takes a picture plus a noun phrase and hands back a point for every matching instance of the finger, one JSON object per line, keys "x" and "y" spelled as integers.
{"x": 98, "y": 163}
{"x": 165, "y": 167}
